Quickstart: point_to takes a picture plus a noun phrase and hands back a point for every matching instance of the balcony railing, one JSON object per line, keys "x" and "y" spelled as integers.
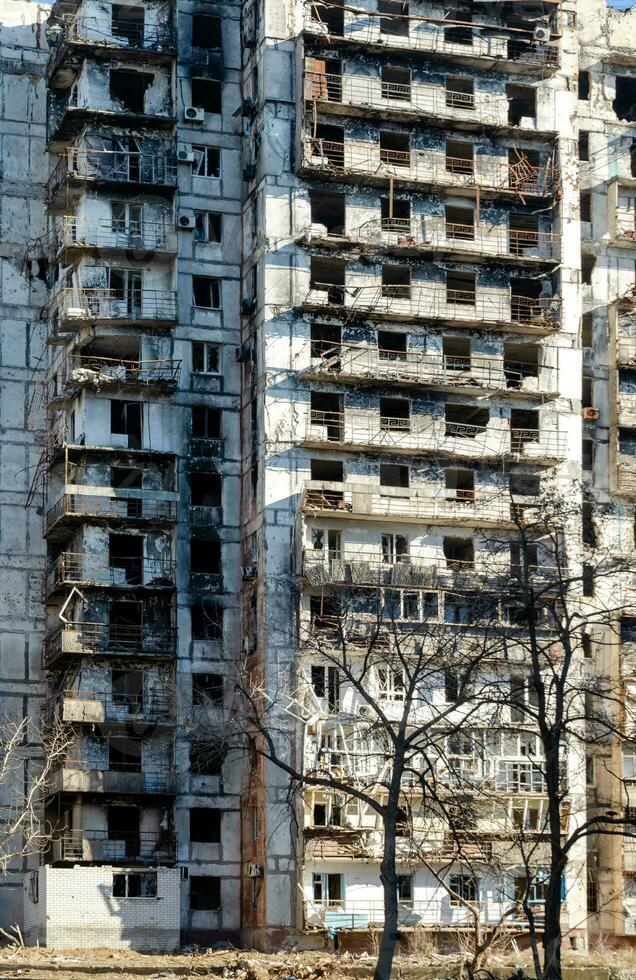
{"x": 98, "y": 639}
{"x": 143, "y": 847}
{"x": 74, "y": 568}
{"x": 362, "y": 361}
{"x": 72, "y": 306}
{"x": 79, "y": 233}
{"x": 152, "y": 168}
{"x": 112, "y": 32}
{"x": 95, "y": 707}
{"x": 428, "y": 167}
{"x": 423, "y": 300}
{"x": 424, "y": 34}
{"x": 85, "y": 370}
{"x": 116, "y": 505}
{"x": 429, "y": 233}
{"x": 422, "y": 434}
{"x": 84, "y": 776}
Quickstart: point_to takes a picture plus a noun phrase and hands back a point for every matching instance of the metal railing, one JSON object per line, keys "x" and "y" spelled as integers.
{"x": 424, "y": 34}
{"x": 151, "y": 167}
{"x": 76, "y": 370}
{"x": 84, "y": 638}
{"x": 426, "y": 232}
{"x": 427, "y": 300}
{"x": 430, "y": 367}
{"x": 93, "y": 707}
{"x": 83, "y": 775}
{"x": 90, "y": 569}
{"x": 99, "y": 845}
{"x": 428, "y": 167}
{"x": 124, "y": 505}
{"x": 72, "y": 304}
{"x": 114, "y": 32}
{"x": 422, "y": 433}
{"x": 73, "y": 232}
{"x": 372, "y": 92}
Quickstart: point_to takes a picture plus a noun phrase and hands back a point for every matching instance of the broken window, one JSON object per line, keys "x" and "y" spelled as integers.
{"x": 456, "y": 353}
{"x": 206, "y": 621}
{"x": 522, "y": 103}
{"x": 205, "y": 556}
{"x": 460, "y": 157}
{"x": 205, "y": 825}
{"x": 327, "y": 470}
{"x": 207, "y": 758}
{"x": 624, "y": 104}
{"x": 520, "y": 361}
{"x": 328, "y": 210}
{"x": 395, "y": 148}
{"x": 327, "y": 889}
{"x": 206, "y": 357}
{"x": 394, "y": 17}
{"x": 124, "y": 754}
{"x": 524, "y": 427}
{"x": 123, "y": 826}
{"x": 327, "y": 410}
{"x": 395, "y": 414}
{"x": 331, "y": 15}
{"x": 126, "y": 419}
{"x": 587, "y": 268}
{"x": 391, "y": 346}
{"x": 587, "y": 454}
{"x": 205, "y": 893}
{"x": 460, "y": 288}
{"x": 127, "y": 688}
{"x": 588, "y": 527}
{"x": 395, "y": 214}
{"x": 206, "y": 422}
{"x": 586, "y": 329}
{"x": 208, "y": 227}
{"x": 588, "y": 581}
{"x": 329, "y": 142}
{"x": 128, "y": 89}
{"x": 328, "y": 276}
{"x": 464, "y": 889}
{"x": 465, "y": 421}
{"x": 396, "y": 83}
{"x": 325, "y": 683}
{"x": 205, "y": 489}
{"x": 523, "y": 232}
{"x": 206, "y": 292}
{"x": 522, "y": 558}
{"x": 587, "y": 392}
{"x": 396, "y": 281}
{"x": 460, "y": 485}
{"x": 326, "y": 342}
{"x": 128, "y": 23}
{"x": 390, "y": 684}
{"x": 206, "y": 31}
{"x": 460, "y": 223}
{"x": 207, "y": 161}
{"x": 584, "y": 86}
{"x": 394, "y": 475}
{"x": 125, "y": 552}
{"x": 207, "y": 689}
{"x": 135, "y": 884}
{"x": 206, "y": 94}
{"x": 324, "y": 612}
{"x": 584, "y": 146}
{"x": 585, "y": 204}
{"x": 451, "y": 686}
{"x": 460, "y": 92}
{"x": 459, "y": 552}
{"x": 460, "y": 32}
{"x": 395, "y": 548}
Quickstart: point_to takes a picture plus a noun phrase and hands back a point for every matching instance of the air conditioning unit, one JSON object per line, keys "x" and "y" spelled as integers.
{"x": 255, "y": 871}
{"x": 591, "y": 414}
{"x": 185, "y": 154}
{"x": 542, "y": 34}
{"x": 194, "y": 114}
{"x": 187, "y": 221}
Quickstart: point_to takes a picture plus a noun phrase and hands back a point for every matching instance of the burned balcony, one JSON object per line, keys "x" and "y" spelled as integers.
{"x": 118, "y": 29}
{"x": 81, "y": 369}
{"x": 513, "y": 47}
{"x": 73, "y": 307}
{"x": 117, "y": 708}
{"x": 123, "y": 571}
{"x": 74, "y": 235}
{"x": 113, "y": 847}
{"x": 83, "y": 776}
{"x": 111, "y": 505}
{"x": 131, "y": 162}
{"x": 111, "y": 639}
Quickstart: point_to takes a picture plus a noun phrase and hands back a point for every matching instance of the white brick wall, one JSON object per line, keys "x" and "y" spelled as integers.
{"x": 77, "y": 909}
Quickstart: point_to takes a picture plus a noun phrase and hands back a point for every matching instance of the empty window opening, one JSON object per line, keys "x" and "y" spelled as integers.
{"x": 585, "y": 205}
{"x": 126, "y": 419}
{"x": 207, "y": 32}
{"x": 587, "y": 454}
{"x": 584, "y": 146}
{"x": 587, "y": 268}
{"x": 319, "y": 816}
{"x": 205, "y": 556}
{"x": 128, "y": 89}
{"x": 525, "y": 485}
{"x": 394, "y": 17}
{"x": 328, "y": 210}
{"x": 460, "y": 223}
{"x": 206, "y": 422}
{"x": 451, "y": 686}
{"x": 331, "y": 15}
{"x": 207, "y": 758}
{"x": 524, "y": 427}
{"x": 523, "y": 232}
{"x": 589, "y": 530}
{"x": 588, "y": 581}
{"x": 127, "y": 687}
{"x": 460, "y": 485}
{"x": 625, "y": 102}
{"x": 207, "y": 689}
{"x": 128, "y": 23}
{"x": 205, "y": 893}
{"x": 325, "y": 343}
{"x": 632, "y": 158}
{"x": 460, "y": 288}
{"x": 125, "y": 552}
{"x": 396, "y": 281}
{"x": 391, "y": 346}
{"x": 207, "y": 161}
{"x": 325, "y": 683}
{"x": 395, "y": 214}
{"x": 587, "y": 323}
{"x": 206, "y": 621}
{"x": 460, "y": 92}
{"x": 460, "y": 32}
{"x": 125, "y": 623}
{"x": 522, "y": 103}
{"x": 324, "y": 612}
{"x": 206, "y": 292}
{"x": 124, "y": 754}
{"x": 456, "y": 352}
{"x": 132, "y": 884}
{"x": 208, "y": 227}
{"x": 123, "y": 825}
{"x": 587, "y": 392}
{"x": 459, "y": 552}
{"x": 584, "y": 86}
{"x": 329, "y": 143}
{"x": 466, "y": 421}
{"x": 206, "y": 94}
{"x": 520, "y": 361}
{"x": 328, "y": 276}
{"x": 396, "y": 83}
{"x": 205, "y": 489}
{"x": 395, "y": 414}
{"x": 395, "y": 548}
{"x": 522, "y": 558}
{"x": 395, "y": 148}
{"x": 205, "y": 825}
{"x": 327, "y": 470}
{"x": 327, "y": 889}
{"x": 327, "y": 410}
{"x": 460, "y": 157}
{"x": 525, "y": 299}
{"x": 394, "y": 475}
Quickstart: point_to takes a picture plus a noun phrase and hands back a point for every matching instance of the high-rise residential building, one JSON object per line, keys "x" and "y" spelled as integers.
{"x": 296, "y": 294}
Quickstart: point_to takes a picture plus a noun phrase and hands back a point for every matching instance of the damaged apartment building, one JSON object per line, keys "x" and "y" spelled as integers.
{"x": 291, "y": 290}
